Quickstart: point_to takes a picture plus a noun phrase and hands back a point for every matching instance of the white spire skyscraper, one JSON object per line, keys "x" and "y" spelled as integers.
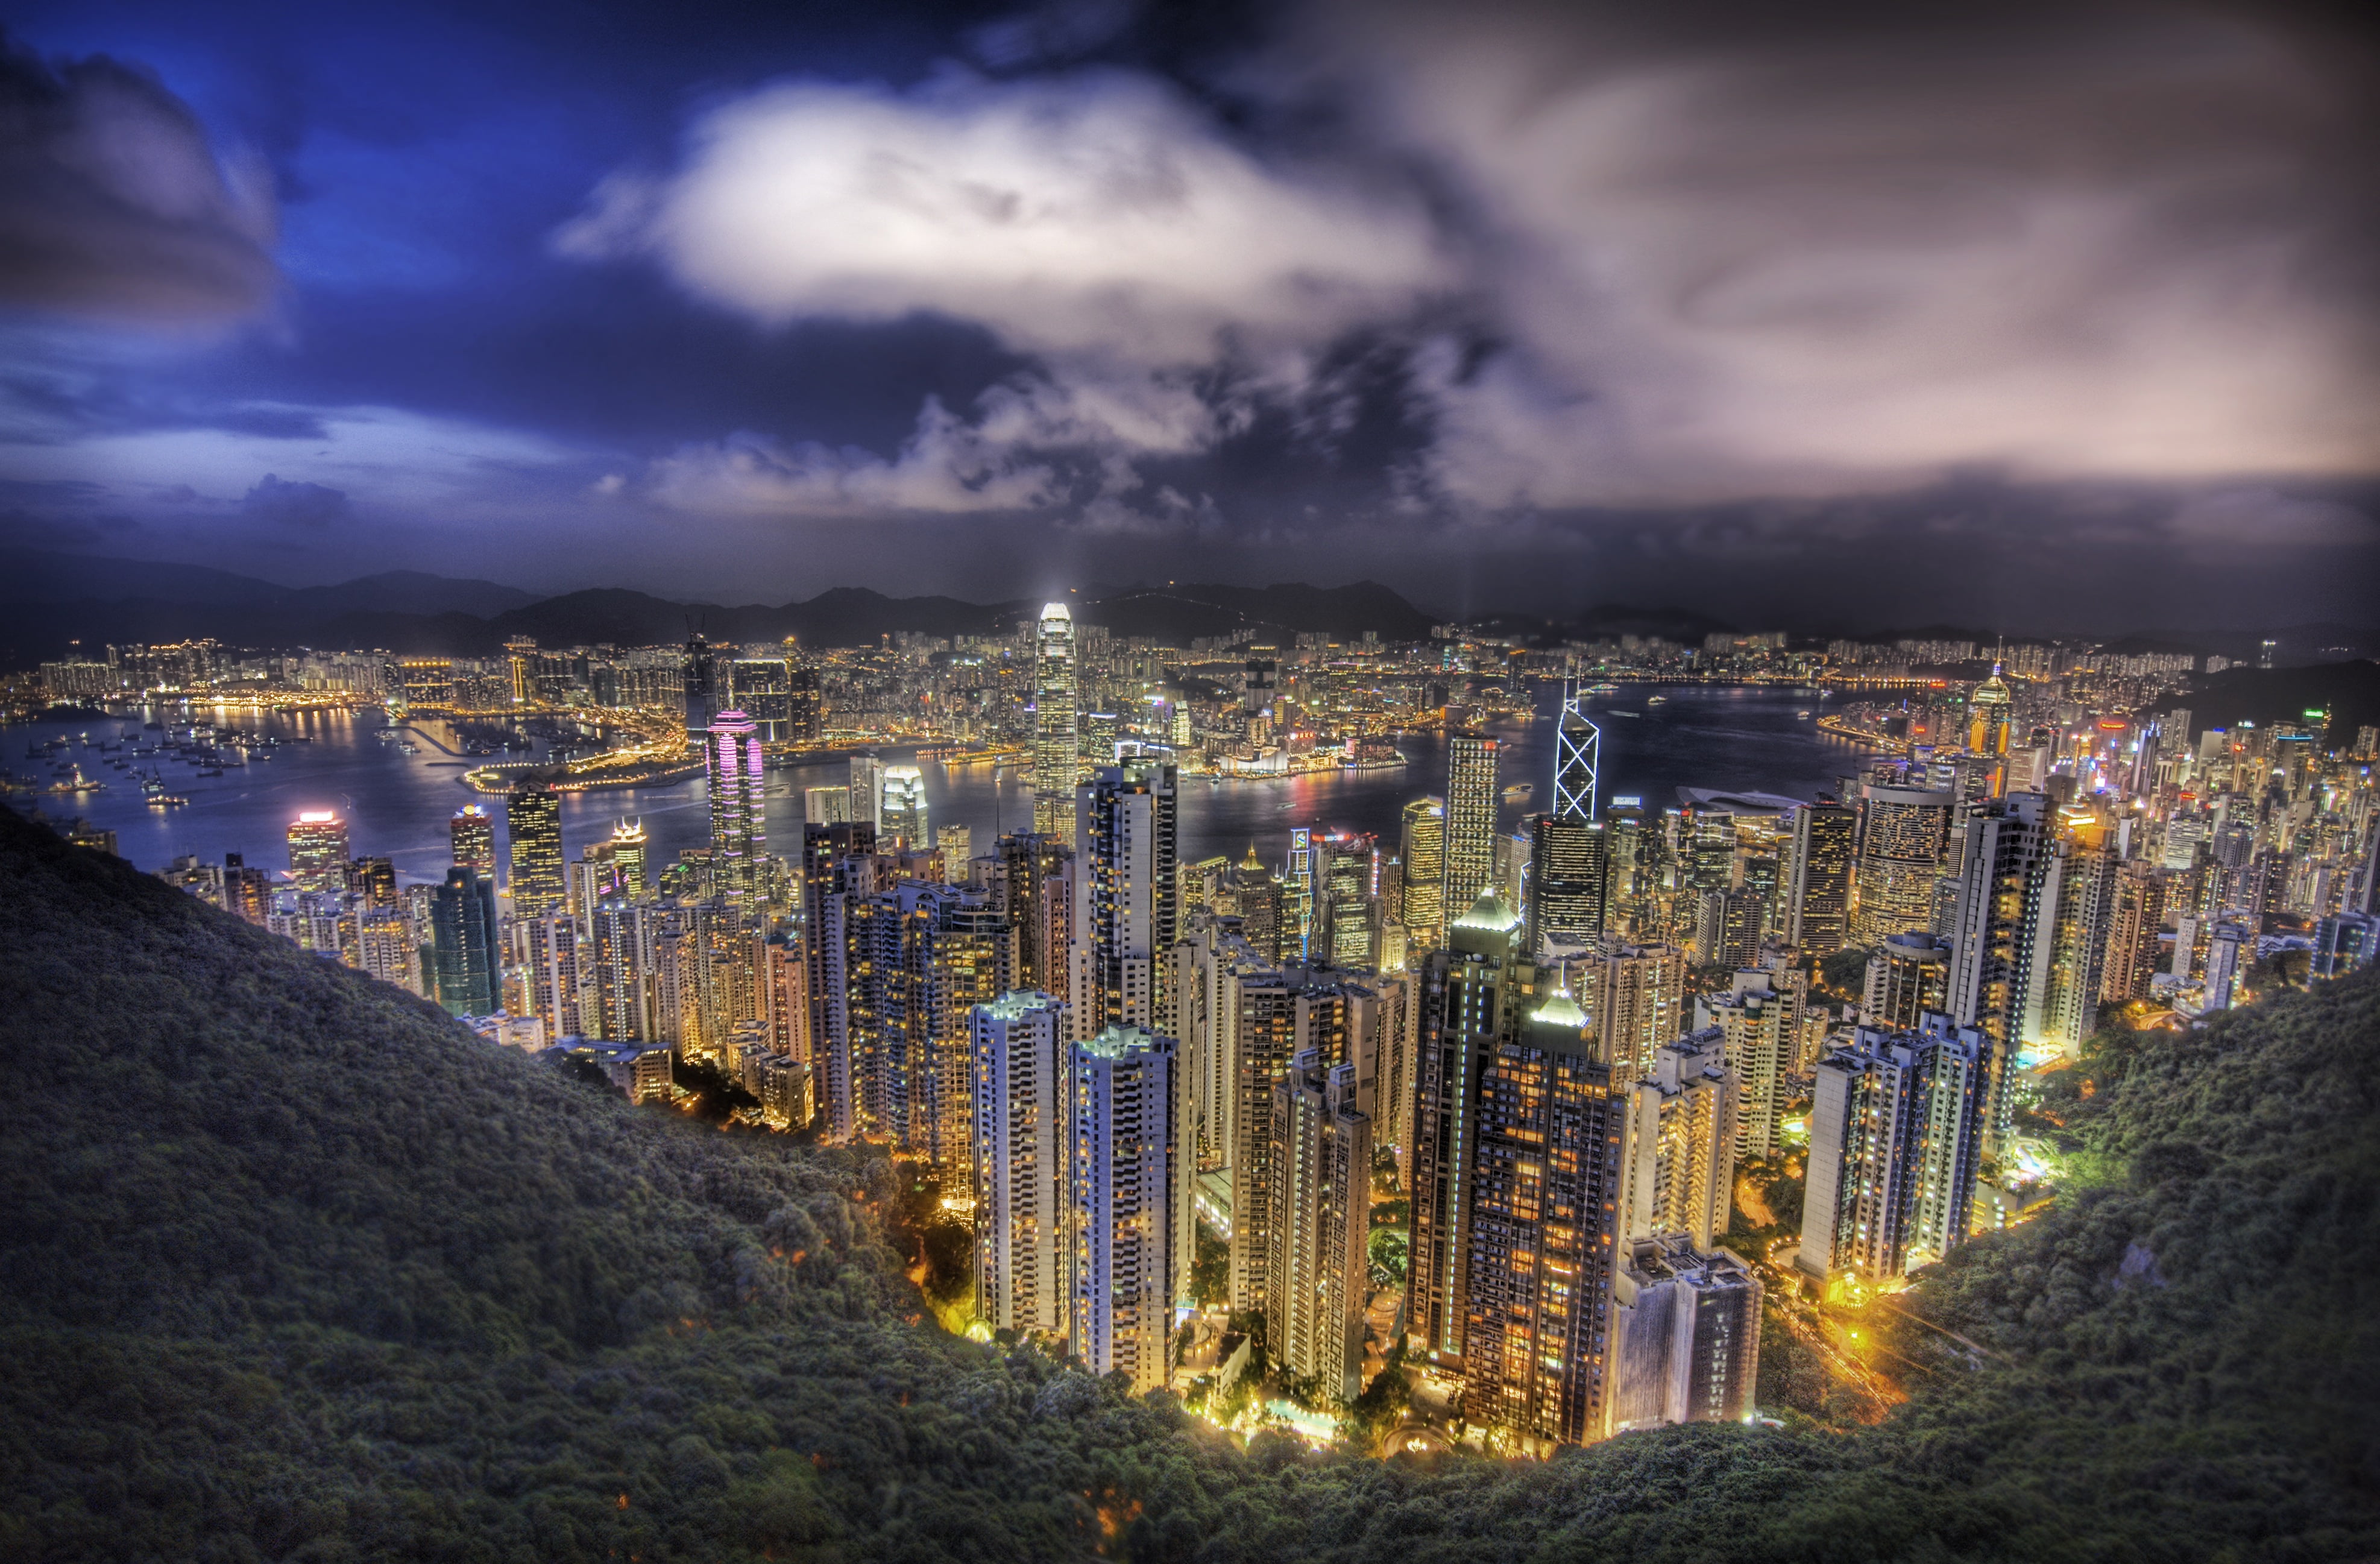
{"x": 1054, "y": 759}
{"x": 1578, "y": 757}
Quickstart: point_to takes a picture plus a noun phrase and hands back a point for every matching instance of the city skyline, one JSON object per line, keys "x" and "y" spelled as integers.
{"x": 396, "y": 288}
{"x": 1097, "y": 779}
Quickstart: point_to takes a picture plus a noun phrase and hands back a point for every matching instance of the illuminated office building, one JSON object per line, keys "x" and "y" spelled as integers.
{"x": 533, "y": 821}
{"x": 957, "y": 844}
{"x": 901, "y": 814}
{"x": 1546, "y": 1175}
{"x": 1905, "y": 839}
{"x": 1020, "y": 1060}
{"x": 1569, "y": 865}
{"x": 1464, "y": 997}
{"x": 739, "y": 837}
{"x": 1035, "y": 877}
{"x": 1472, "y": 800}
{"x": 1424, "y": 872}
{"x": 474, "y": 834}
{"x": 317, "y": 852}
{"x": 1818, "y": 861}
{"x": 705, "y": 691}
{"x": 1054, "y": 741}
{"x": 629, "y": 870}
{"x": 1121, "y": 1172}
{"x": 1578, "y": 755}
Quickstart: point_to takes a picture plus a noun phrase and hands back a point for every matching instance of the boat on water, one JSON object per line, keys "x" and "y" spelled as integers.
{"x": 1519, "y": 791}
{"x": 1656, "y": 700}
{"x": 210, "y": 770}
{"x": 167, "y": 801}
{"x": 1804, "y": 716}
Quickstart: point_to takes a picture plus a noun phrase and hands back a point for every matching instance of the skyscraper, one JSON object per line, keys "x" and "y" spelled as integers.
{"x": 866, "y": 802}
{"x": 1908, "y": 976}
{"x": 1994, "y": 942}
{"x": 1124, "y": 893}
{"x": 629, "y": 870}
{"x": 622, "y": 940}
{"x": 1021, "y": 1146}
{"x": 739, "y": 838}
{"x": 1818, "y": 879}
{"x": 2136, "y": 916}
{"x": 2074, "y": 900}
{"x": 1568, "y": 865}
{"x": 1685, "y": 1333}
{"x": 1320, "y": 1225}
{"x": 703, "y": 694}
{"x": 1543, "y": 1230}
{"x": 463, "y": 942}
{"x": 554, "y": 976}
{"x": 1904, "y": 846}
{"x": 317, "y": 851}
{"x": 1120, "y": 1171}
{"x": 1681, "y": 1143}
{"x": 1054, "y": 758}
{"x": 1896, "y": 1139}
{"x": 1464, "y": 997}
{"x": 474, "y": 834}
{"x": 1755, "y": 1027}
{"x": 1424, "y": 869}
{"x": 1472, "y": 800}
{"x": 1578, "y": 755}
{"x": 533, "y": 821}
{"x": 901, "y": 817}
{"x": 1637, "y": 1000}
{"x": 762, "y": 689}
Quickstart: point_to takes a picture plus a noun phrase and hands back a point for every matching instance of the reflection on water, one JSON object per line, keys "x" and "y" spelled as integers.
{"x": 397, "y": 805}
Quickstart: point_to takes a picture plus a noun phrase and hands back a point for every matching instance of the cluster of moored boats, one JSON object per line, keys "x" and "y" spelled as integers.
{"x": 208, "y": 751}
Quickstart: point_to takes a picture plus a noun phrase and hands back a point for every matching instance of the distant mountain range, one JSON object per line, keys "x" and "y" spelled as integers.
{"x": 49, "y": 603}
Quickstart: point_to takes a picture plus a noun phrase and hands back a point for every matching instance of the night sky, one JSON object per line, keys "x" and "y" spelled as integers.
{"x": 2026, "y": 317}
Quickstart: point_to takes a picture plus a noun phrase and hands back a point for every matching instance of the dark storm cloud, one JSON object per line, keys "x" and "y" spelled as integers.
{"x": 113, "y": 204}
{"x": 293, "y": 504}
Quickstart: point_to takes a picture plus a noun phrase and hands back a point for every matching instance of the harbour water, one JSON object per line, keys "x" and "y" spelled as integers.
{"x": 397, "y": 805}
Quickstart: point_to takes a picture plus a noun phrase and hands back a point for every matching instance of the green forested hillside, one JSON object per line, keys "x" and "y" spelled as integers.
{"x": 295, "y": 1268}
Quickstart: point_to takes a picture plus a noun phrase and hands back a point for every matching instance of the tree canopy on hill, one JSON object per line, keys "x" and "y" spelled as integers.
{"x": 296, "y": 1267}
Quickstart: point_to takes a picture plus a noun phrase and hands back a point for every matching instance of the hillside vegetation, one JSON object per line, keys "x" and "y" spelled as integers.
{"x": 295, "y": 1268}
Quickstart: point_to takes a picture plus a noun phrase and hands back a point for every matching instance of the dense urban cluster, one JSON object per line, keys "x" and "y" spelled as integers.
{"x": 1462, "y": 1113}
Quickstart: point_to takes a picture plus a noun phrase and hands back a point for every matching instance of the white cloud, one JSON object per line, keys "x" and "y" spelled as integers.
{"x": 1859, "y": 260}
{"x": 1097, "y": 214}
{"x": 1032, "y": 443}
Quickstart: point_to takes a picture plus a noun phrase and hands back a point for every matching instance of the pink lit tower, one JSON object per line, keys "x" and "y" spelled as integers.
{"x": 739, "y": 838}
